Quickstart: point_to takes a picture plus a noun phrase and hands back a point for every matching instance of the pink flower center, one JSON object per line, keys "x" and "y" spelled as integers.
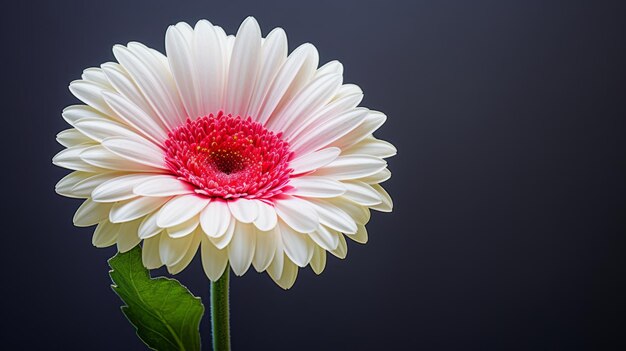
{"x": 229, "y": 157}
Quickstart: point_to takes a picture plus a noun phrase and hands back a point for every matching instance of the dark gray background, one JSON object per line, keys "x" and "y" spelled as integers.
{"x": 509, "y": 198}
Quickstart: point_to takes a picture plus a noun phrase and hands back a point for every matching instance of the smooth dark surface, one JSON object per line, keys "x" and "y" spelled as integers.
{"x": 509, "y": 194}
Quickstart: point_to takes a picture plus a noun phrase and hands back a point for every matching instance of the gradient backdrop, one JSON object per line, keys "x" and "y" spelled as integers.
{"x": 509, "y": 201}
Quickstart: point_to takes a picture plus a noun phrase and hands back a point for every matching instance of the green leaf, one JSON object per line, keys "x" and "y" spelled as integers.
{"x": 165, "y": 314}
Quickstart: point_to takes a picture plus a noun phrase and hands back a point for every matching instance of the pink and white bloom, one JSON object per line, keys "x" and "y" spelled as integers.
{"x": 228, "y": 145}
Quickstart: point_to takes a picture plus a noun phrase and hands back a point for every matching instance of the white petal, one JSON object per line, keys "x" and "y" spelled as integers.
{"x": 91, "y": 94}
{"x": 215, "y": 218}
{"x": 98, "y": 157}
{"x": 128, "y": 238}
{"x": 85, "y": 187}
{"x": 318, "y": 262}
{"x": 66, "y": 185}
{"x": 223, "y": 241}
{"x": 179, "y": 54}
{"x": 95, "y": 75}
{"x": 352, "y": 167}
{"x": 185, "y": 30}
{"x": 70, "y": 158}
{"x": 325, "y": 237}
{"x": 244, "y": 66}
{"x": 105, "y": 234}
{"x": 150, "y": 253}
{"x": 361, "y": 193}
{"x": 298, "y": 246}
{"x": 173, "y": 250}
{"x": 169, "y": 99}
{"x": 154, "y": 80}
{"x": 72, "y": 137}
{"x": 183, "y": 229}
{"x": 314, "y": 160}
{"x": 372, "y": 146}
{"x": 360, "y": 214}
{"x": 136, "y": 117}
{"x": 376, "y": 178}
{"x": 99, "y": 129}
{"x": 266, "y": 242}
{"x": 125, "y": 211}
{"x": 180, "y": 209}
{"x": 244, "y": 210}
{"x": 349, "y": 90}
{"x": 273, "y": 54}
{"x": 297, "y": 69}
{"x": 342, "y": 249}
{"x": 266, "y": 218}
{"x": 74, "y": 113}
{"x": 334, "y": 217}
{"x": 213, "y": 260}
{"x": 387, "y": 204}
{"x": 311, "y": 186}
{"x": 228, "y": 42}
{"x": 326, "y": 134}
{"x": 241, "y": 248}
{"x": 324, "y": 115}
{"x": 360, "y": 236}
{"x": 189, "y": 255}
{"x": 126, "y": 87}
{"x": 137, "y": 150}
{"x": 287, "y": 276}
{"x": 297, "y": 213}
{"x": 149, "y": 227}
{"x": 209, "y": 57}
{"x": 119, "y": 188}
{"x": 301, "y": 79}
{"x": 90, "y": 213}
{"x": 275, "y": 269}
{"x": 332, "y": 67}
{"x": 373, "y": 121}
{"x": 312, "y": 97}
{"x": 163, "y": 185}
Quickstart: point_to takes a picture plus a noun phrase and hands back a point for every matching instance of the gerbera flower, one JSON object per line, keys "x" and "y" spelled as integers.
{"x": 227, "y": 145}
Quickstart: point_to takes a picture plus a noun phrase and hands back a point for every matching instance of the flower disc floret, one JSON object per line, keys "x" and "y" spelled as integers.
{"x": 229, "y": 157}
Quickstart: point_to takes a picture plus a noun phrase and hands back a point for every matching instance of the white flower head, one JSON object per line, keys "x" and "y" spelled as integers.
{"x": 227, "y": 145}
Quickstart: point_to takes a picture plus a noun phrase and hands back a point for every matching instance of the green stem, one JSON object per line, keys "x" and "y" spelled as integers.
{"x": 220, "y": 320}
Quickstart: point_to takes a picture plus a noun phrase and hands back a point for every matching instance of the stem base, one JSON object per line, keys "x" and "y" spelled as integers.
{"x": 220, "y": 314}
